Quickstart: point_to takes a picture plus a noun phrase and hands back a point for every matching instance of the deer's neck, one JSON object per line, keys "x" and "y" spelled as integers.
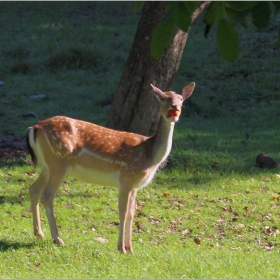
{"x": 162, "y": 141}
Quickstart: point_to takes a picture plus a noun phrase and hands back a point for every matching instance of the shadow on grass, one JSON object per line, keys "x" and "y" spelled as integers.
{"x": 224, "y": 145}
{"x": 6, "y": 245}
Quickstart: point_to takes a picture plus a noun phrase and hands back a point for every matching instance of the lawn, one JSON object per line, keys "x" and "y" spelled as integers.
{"x": 209, "y": 213}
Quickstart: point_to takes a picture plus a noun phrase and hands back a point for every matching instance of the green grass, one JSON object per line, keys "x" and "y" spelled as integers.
{"x": 210, "y": 213}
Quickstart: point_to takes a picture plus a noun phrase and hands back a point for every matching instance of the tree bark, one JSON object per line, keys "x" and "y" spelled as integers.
{"x": 134, "y": 106}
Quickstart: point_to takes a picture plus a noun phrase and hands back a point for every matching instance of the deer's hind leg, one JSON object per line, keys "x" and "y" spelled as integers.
{"x": 35, "y": 192}
{"x": 57, "y": 174}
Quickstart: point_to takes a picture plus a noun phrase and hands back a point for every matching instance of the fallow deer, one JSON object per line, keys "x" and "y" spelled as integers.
{"x": 100, "y": 155}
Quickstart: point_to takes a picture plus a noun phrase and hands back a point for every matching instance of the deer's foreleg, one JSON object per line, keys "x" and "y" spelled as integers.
{"x": 129, "y": 220}
{"x": 124, "y": 196}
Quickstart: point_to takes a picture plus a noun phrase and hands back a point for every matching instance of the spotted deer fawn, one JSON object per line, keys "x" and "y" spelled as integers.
{"x": 100, "y": 155}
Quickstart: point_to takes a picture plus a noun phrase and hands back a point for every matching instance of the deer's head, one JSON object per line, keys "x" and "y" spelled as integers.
{"x": 171, "y": 102}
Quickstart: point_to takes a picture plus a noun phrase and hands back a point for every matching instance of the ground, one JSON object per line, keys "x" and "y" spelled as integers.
{"x": 13, "y": 148}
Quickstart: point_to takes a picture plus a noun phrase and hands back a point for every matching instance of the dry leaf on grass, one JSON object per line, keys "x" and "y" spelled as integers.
{"x": 101, "y": 239}
{"x": 197, "y": 241}
{"x": 185, "y": 232}
{"x": 236, "y": 248}
{"x": 30, "y": 173}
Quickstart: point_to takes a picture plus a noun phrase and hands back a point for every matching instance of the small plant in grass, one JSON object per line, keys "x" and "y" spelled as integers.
{"x": 20, "y": 51}
{"x": 20, "y": 67}
{"x": 74, "y": 58}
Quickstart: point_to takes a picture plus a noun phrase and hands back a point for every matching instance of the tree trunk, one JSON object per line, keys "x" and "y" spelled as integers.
{"x": 134, "y": 106}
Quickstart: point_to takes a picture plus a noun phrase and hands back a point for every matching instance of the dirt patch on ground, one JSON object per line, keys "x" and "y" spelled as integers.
{"x": 13, "y": 148}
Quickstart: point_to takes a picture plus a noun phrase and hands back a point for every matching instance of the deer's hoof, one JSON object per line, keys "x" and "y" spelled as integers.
{"x": 125, "y": 250}
{"x": 121, "y": 249}
{"x": 39, "y": 234}
{"x": 59, "y": 241}
{"x": 129, "y": 249}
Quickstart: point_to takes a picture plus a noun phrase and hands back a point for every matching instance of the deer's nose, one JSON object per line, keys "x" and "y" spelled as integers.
{"x": 175, "y": 107}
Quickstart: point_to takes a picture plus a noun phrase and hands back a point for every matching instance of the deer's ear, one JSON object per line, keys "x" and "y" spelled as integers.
{"x": 159, "y": 94}
{"x": 188, "y": 90}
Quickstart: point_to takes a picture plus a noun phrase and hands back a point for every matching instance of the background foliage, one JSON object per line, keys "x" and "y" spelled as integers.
{"x": 227, "y": 14}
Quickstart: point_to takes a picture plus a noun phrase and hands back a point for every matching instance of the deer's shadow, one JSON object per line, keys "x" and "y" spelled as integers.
{"x": 6, "y": 245}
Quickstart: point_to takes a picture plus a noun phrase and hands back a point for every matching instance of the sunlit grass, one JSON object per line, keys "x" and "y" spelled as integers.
{"x": 197, "y": 219}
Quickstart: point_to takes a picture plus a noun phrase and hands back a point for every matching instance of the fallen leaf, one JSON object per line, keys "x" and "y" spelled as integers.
{"x": 169, "y": 230}
{"x": 246, "y": 209}
{"x": 30, "y": 173}
{"x": 197, "y": 241}
{"x": 268, "y": 228}
{"x": 185, "y": 232}
{"x": 250, "y": 228}
{"x": 269, "y": 247}
{"x": 38, "y": 96}
{"x": 220, "y": 221}
{"x": 137, "y": 224}
{"x": 154, "y": 221}
{"x": 21, "y": 180}
{"x": 101, "y": 240}
{"x": 236, "y": 248}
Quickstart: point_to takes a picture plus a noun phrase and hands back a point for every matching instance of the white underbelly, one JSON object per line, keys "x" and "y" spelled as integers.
{"x": 95, "y": 177}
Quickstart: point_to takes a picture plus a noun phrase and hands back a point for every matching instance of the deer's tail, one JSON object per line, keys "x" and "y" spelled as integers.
{"x": 30, "y": 141}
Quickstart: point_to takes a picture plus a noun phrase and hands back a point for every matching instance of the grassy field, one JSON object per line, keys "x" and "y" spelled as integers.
{"x": 210, "y": 213}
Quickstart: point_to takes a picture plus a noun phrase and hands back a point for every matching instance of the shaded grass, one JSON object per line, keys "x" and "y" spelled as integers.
{"x": 74, "y": 58}
{"x": 80, "y": 42}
